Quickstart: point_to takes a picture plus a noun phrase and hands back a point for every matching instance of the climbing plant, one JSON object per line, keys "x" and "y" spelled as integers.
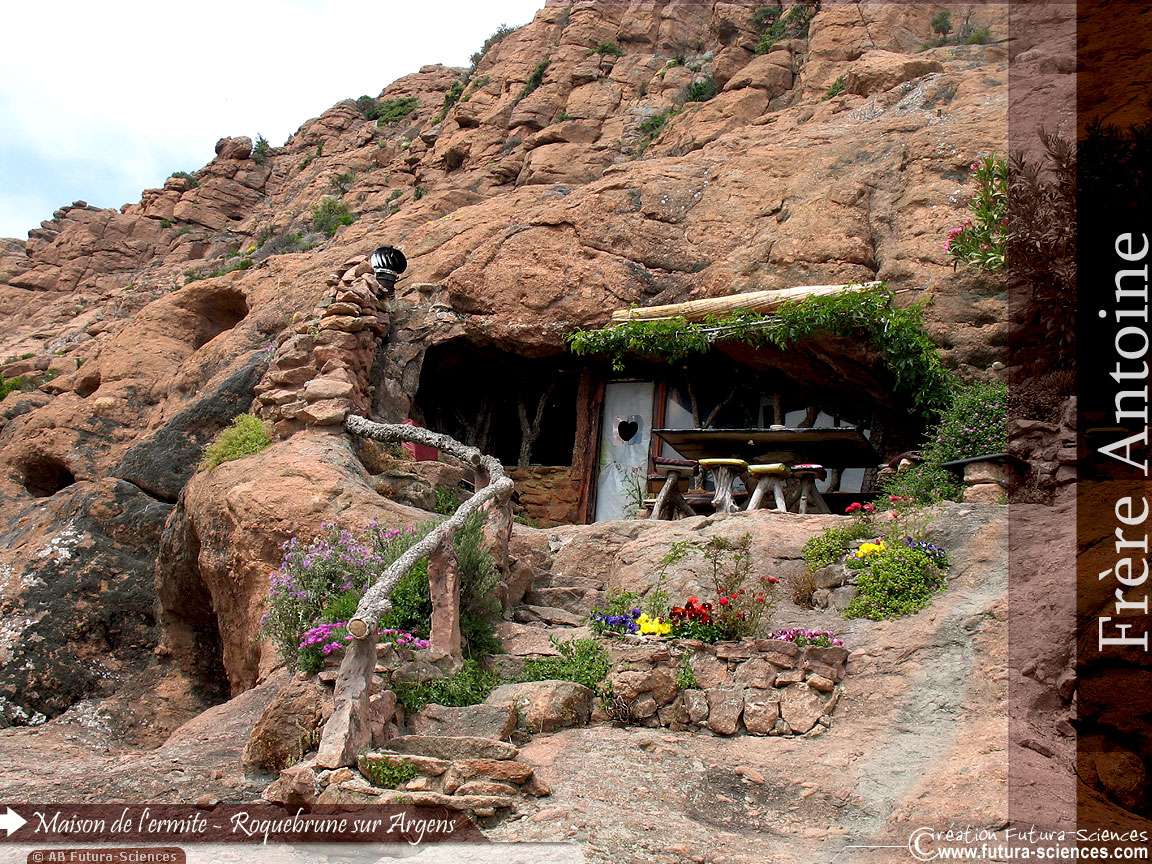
{"x": 896, "y": 334}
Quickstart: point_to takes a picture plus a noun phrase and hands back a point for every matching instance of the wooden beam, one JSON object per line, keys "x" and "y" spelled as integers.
{"x": 752, "y": 301}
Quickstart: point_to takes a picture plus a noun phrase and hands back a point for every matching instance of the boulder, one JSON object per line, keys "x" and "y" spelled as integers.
{"x": 289, "y": 726}
{"x": 451, "y": 747}
{"x": 878, "y": 71}
{"x": 477, "y": 721}
{"x": 696, "y": 704}
{"x": 545, "y": 706}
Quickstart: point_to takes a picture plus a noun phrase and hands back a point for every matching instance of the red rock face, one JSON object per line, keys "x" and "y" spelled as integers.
{"x": 523, "y": 212}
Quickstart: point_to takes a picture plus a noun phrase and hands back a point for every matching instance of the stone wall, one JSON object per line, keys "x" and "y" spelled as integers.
{"x": 756, "y": 686}
{"x": 321, "y": 371}
{"x": 548, "y": 495}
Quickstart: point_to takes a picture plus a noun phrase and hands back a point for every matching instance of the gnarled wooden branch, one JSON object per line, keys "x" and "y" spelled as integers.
{"x": 375, "y": 601}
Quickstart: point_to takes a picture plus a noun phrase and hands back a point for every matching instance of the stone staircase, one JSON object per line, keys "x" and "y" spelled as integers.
{"x": 478, "y": 775}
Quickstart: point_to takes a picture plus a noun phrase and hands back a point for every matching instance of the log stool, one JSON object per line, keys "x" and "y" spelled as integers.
{"x": 670, "y": 503}
{"x": 724, "y": 472}
{"x": 810, "y": 496}
{"x": 768, "y": 477}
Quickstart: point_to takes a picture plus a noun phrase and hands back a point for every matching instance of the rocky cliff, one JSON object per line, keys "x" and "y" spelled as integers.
{"x": 604, "y": 155}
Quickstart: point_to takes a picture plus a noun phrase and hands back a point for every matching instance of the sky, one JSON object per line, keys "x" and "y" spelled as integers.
{"x": 99, "y": 101}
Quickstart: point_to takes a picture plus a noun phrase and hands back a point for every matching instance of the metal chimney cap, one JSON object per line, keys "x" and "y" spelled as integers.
{"x": 388, "y": 262}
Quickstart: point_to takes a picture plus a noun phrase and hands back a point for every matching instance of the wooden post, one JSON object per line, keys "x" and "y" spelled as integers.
{"x": 444, "y": 588}
{"x": 586, "y": 446}
{"x": 349, "y": 730}
{"x": 722, "y": 501}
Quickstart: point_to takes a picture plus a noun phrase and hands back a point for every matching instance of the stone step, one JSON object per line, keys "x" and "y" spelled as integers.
{"x": 578, "y": 601}
{"x": 481, "y": 805}
{"x": 451, "y": 747}
{"x": 528, "y": 614}
{"x": 560, "y": 580}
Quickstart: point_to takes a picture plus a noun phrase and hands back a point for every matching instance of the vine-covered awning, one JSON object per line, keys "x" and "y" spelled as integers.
{"x": 851, "y": 335}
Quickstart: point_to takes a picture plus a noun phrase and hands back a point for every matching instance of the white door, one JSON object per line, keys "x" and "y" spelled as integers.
{"x": 625, "y": 433}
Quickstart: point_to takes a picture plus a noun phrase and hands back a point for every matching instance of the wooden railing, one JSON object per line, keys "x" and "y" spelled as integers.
{"x": 348, "y": 731}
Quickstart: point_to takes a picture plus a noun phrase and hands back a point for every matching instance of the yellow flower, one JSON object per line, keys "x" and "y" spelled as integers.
{"x": 867, "y": 549}
{"x": 653, "y": 626}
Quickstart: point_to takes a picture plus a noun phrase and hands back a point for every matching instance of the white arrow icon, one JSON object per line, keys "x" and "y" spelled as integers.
{"x": 12, "y": 822}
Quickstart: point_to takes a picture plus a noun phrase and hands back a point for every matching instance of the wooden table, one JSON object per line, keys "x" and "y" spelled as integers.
{"x": 839, "y": 448}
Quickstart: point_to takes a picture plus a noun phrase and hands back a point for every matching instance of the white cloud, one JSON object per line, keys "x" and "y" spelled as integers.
{"x": 134, "y": 90}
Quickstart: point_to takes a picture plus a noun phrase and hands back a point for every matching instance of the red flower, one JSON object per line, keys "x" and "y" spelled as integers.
{"x": 869, "y": 507}
{"x": 692, "y": 601}
{"x": 853, "y": 507}
{"x": 759, "y": 598}
{"x": 774, "y": 580}
{"x": 723, "y": 601}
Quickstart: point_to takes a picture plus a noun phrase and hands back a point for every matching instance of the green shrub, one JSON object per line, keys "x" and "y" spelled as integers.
{"x": 417, "y": 193}
{"x": 261, "y": 150}
{"x": 777, "y": 26}
{"x": 270, "y": 244}
{"x": 12, "y": 385}
{"x": 165, "y": 224}
{"x": 392, "y": 110}
{"x": 387, "y": 774}
{"x": 450, "y": 98}
{"x": 184, "y": 175}
{"x": 470, "y": 686}
{"x": 607, "y": 49}
{"x": 831, "y": 544}
{"x": 898, "y": 581}
{"x": 479, "y": 580}
{"x": 501, "y": 31}
{"x": 978, "y": 36}
{"x": 446, "y": 501}
{"x": 974, "y": 423}
{"x": 583, "y": 661}
{"x": 925, "y": 484}
{"x": 235, "y": 262}
{"x": 685, "y": 677}
{"x": 321, "y": 582}
{"x": 369, "y": 107}
{"x": 330, "y": 215}
{"x": 535, "y": 79}
{"x": 836, "y": 89}
{"x": 651, "y": 127}
{"x": 701, "y": 91}
{"x": 341, "y": 183}
{"x": 942, "y": 22}
{"x": 246, "y": 435}
{"x": 411, "y": 601}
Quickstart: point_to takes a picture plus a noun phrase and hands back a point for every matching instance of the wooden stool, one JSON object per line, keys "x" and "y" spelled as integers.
{"x": 670, "y": 503}
{"x": 770, "y": 476}
{"x": 725, "y": 472}
{"x": 810, "y": 496}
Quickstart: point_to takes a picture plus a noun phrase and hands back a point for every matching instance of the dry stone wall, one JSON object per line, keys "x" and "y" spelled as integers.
{"x": 755, "y": 686}
{"x": 321, "y": 371}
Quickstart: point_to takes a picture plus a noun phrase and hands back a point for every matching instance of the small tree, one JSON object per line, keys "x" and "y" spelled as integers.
{"x": 261, "y": 150}
{"x": 942, "y": 23}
